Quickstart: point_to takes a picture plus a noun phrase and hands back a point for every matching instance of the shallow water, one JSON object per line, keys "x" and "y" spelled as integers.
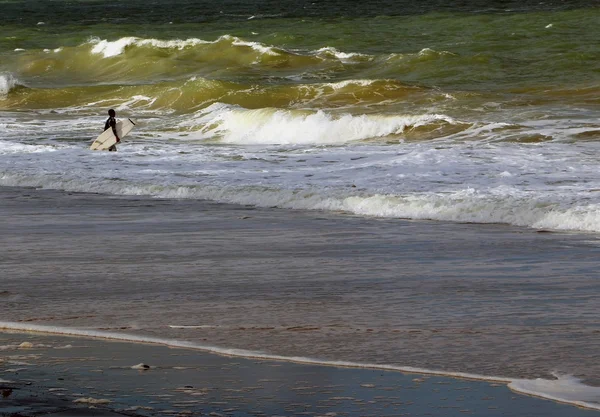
{"x": 490, "y": 301}
{"x": 75, "y": 372}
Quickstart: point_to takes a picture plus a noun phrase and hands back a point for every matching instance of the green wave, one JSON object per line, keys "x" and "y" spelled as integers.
{"x": 137, "y": 59}
{"x": 478, "y": 61}
{"x": 195, "y": 93}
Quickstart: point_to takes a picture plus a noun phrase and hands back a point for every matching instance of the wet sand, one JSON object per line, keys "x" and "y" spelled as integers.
{"x": 485, "y": 299}
{"x": 65, "y": 376}
{"x": 490, "y": 300}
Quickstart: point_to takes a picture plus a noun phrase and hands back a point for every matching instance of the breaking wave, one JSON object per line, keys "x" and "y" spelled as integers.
{"x": 109, "y": 49}
{"x": 189, "y": 95}
{"x": 132, "y": 58}
{"x": 277, "y": 126}
{"x": 7, "y": 83}
{"x": 149, "y": 59}
{"x": 467, "y": 206}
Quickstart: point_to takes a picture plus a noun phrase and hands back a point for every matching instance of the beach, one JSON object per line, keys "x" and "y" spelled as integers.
{"x": 342, "y": 189}
{"x": 310, "y": 287}
{"x": 64, "y": 376}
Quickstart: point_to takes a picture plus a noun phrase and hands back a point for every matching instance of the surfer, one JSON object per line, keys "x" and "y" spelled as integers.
{"x": 112, "y": 122}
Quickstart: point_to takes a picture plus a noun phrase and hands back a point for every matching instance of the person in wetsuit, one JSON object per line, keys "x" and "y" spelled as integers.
{"x": 111, "y": 122}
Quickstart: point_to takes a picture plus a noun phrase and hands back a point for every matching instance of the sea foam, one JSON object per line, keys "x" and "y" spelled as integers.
{"x": 7, "y": 147}
{"x": 565, "y": 388}
{"x": 113, "y": 48}
{"x": 277, "y": 126}
{"x": 329, "y": 51}
{"x": 463, "y": 206}
{"x": 110, "y": 49}
{"x": 7, "y": 82}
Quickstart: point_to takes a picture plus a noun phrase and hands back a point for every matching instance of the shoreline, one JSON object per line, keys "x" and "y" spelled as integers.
{"x": 240, "y": 353}
{"x": 343, "y": 213}
{"x": 16, "y": 328}
{"x": 150, "y": 240}
{"x": 118, "y": 386}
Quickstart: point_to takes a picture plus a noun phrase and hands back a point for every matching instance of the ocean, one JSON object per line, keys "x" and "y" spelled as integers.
{"x": 475, "y": 114}
{"x": 482, "y": 114}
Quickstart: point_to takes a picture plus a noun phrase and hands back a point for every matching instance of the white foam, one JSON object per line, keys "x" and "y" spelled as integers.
{"x": 138, "y": 100}
{"x": 7, "y": 82}
{"x": 565, "y": 389}
{"x": 259, "y": 47}
{"x": 342, "y": 56}
{"x": 501, "y": 206}
{"x": 274, "y": 126}
{"x": 473, "y": 207}
{"x": 7, "y": 147}
{"x": 428, "y": 52}
{"x": 343, "y": 84}
{"x": 309, "y": 160}
{"x": 117, "y": 47}
{"x": 110, "y": 49}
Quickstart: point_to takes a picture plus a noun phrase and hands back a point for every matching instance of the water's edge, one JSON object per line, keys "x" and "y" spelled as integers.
{"x": 521, "y": 386}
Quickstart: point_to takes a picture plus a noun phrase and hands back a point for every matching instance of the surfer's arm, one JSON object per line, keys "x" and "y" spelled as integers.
{"x": 114, "y": 129}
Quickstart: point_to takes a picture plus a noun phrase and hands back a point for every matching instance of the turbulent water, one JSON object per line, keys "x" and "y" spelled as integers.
{"x": 483, "y": 113}
{"x": 486, "y": 112}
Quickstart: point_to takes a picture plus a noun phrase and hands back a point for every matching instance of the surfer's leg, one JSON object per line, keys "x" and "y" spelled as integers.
{"x": 112, "y": 149}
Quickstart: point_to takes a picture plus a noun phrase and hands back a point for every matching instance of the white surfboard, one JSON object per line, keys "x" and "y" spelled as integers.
{"x": 108, "y": 139}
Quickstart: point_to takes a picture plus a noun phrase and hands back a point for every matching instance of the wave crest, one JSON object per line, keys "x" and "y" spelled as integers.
{"x": 174, "y": 57}
{"x": 198, "y": 92}
{"x": 8, "y": 82}
{"x": 110, "y": 49}
{"x": 277, "y": 126}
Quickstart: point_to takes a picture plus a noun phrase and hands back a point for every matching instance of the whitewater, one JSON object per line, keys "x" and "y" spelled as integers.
{"x": 320, "y": 160}
{"x": 430, "y": 131}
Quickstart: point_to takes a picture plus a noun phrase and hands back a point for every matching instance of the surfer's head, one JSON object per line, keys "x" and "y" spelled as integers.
{"x": 111, "y": 113}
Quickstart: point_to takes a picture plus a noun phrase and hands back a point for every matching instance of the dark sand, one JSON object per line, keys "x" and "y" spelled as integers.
{"x": 52, "y": 374}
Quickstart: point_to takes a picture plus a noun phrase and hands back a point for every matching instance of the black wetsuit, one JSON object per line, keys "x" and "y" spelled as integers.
{"x": 111, "y": 122}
